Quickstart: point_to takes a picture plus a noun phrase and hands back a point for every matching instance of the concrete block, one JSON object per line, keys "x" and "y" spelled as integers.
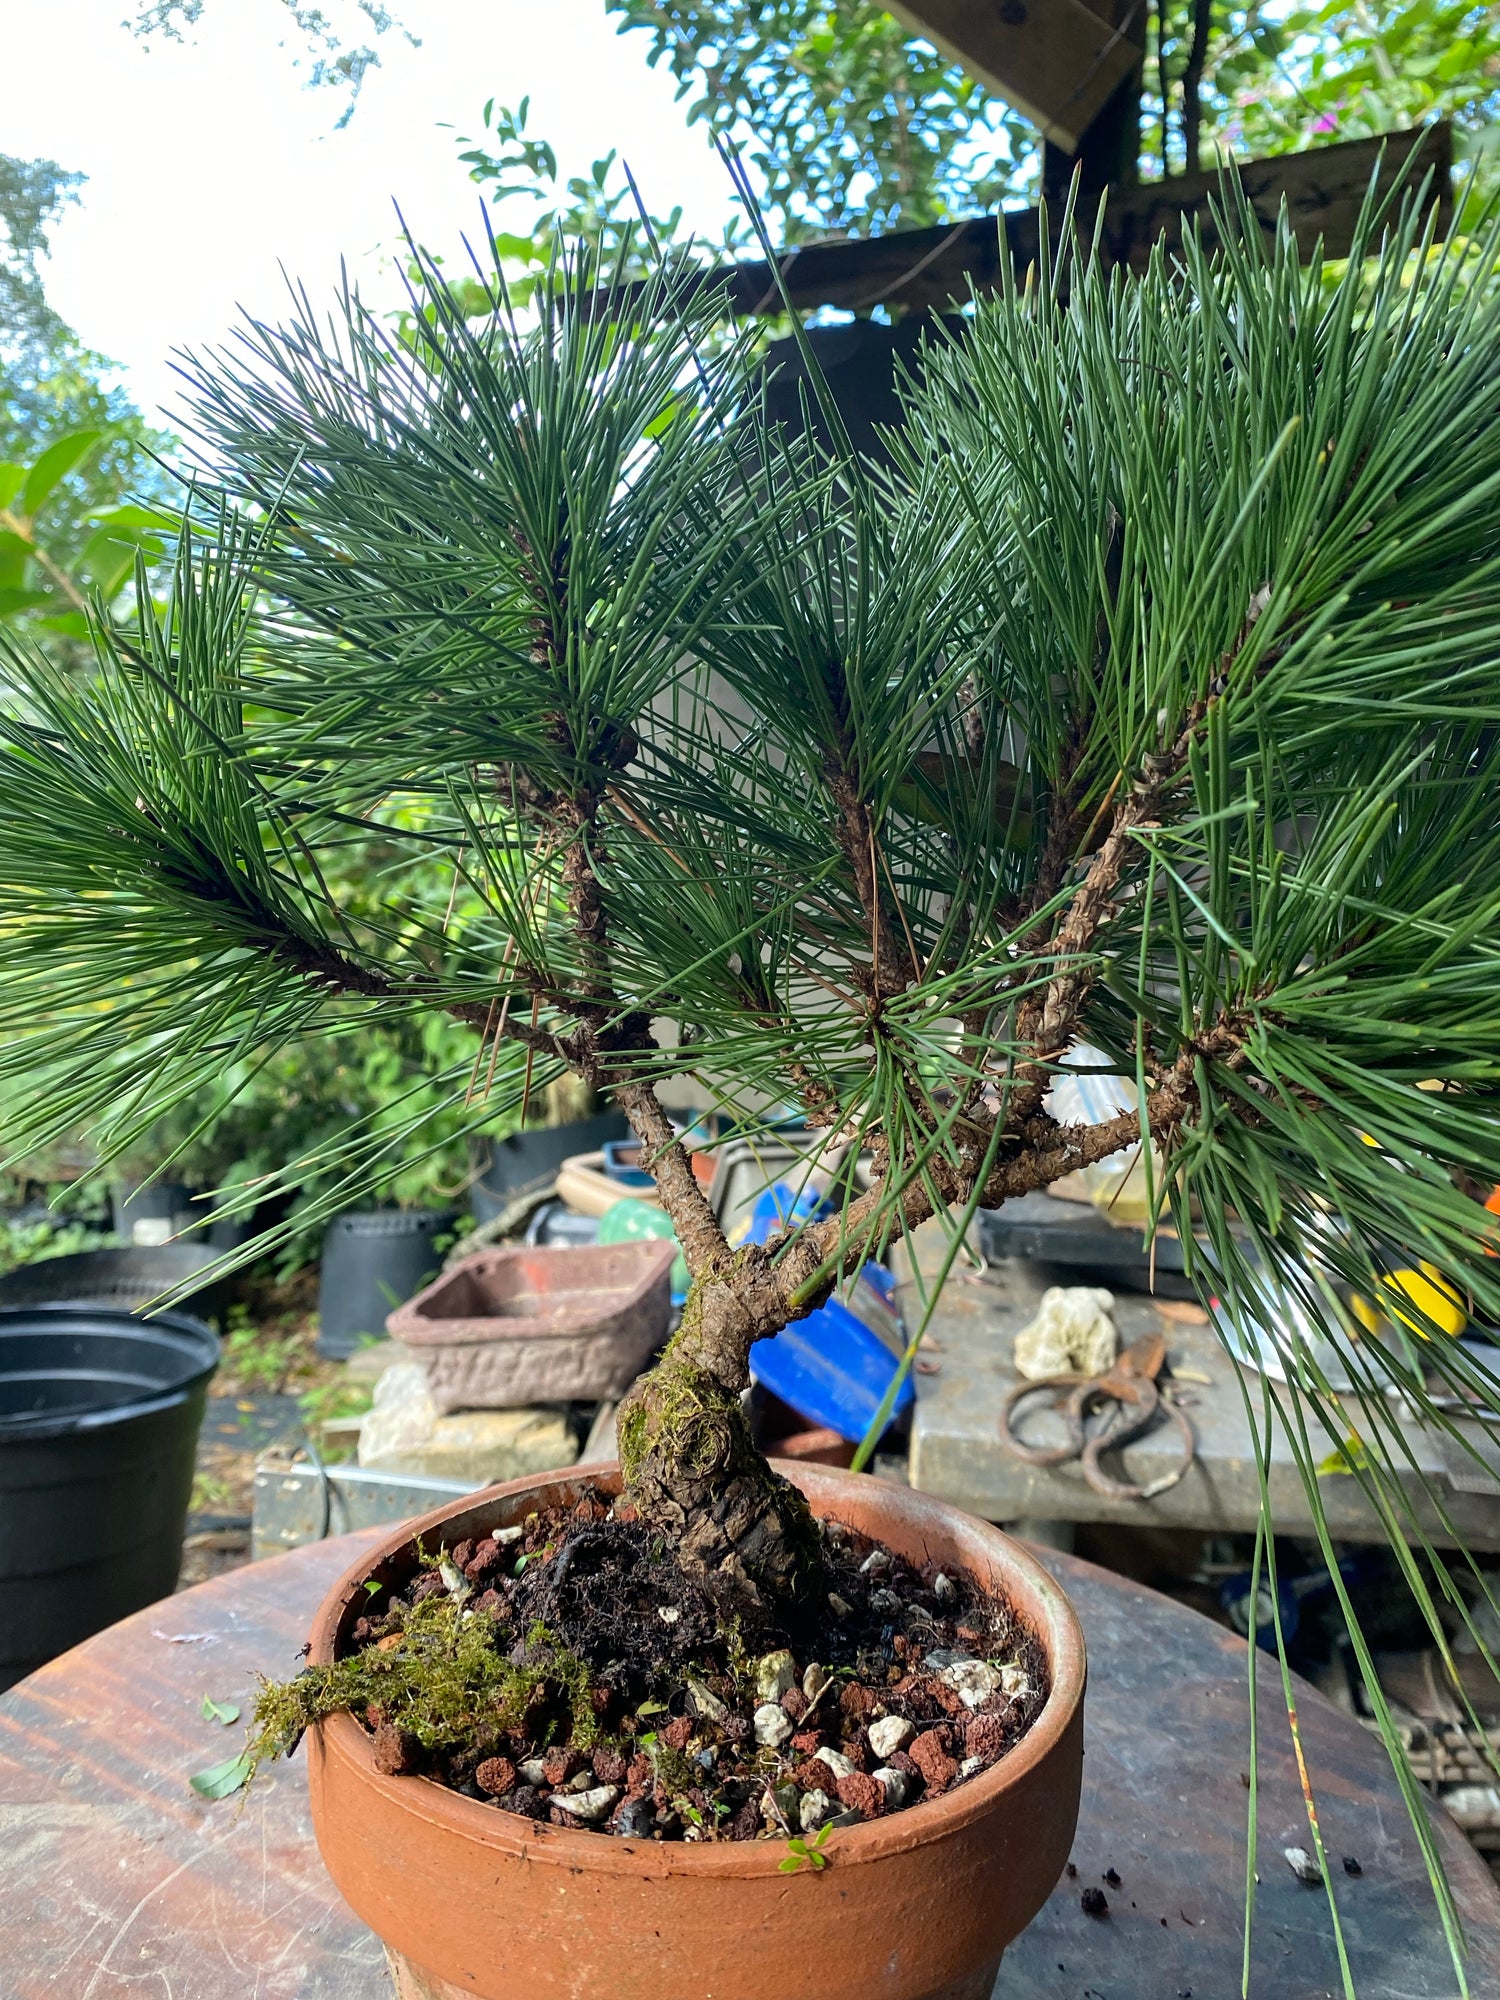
{"x": 483, "y": 1446}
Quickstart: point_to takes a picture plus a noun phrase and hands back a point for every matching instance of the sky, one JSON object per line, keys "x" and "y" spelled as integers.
{"x": 210, "y": 164}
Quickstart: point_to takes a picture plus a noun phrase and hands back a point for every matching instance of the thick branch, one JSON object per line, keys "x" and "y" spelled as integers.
{"x": 697, "y": 1227}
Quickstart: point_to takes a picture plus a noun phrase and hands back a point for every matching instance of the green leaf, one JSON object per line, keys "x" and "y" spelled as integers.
{"x": 225, "y": 1712}
{"x": 54, "y": 465}
{"x": 12, "y": 600}
{"x": 12, "y": 479}
{"x": 219, "y": 1780}
{"x": 15, "y": 554}
{"x": 108, "y": 556}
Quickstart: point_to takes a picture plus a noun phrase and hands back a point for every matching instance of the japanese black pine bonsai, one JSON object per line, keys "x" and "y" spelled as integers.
{"x": 1147, "y": 698}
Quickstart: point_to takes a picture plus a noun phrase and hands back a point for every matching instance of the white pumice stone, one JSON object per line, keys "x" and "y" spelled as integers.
{"x": 706, "y": 1704}
{"x": 772, "y": 1725}
{"x": 890, "y": 1734}
{"x": 590, "y": 1806}
{"x": 775, "y": 1675}
{"x": 895, "y": 1785}
{"x": 973, "y": 1681}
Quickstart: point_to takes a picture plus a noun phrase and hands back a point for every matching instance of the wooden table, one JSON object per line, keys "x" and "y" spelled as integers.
{"x": 118, "y": 1883}
{"x": 956, "y": 1451}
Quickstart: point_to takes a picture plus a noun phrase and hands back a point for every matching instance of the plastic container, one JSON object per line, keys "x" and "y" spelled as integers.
{"x": 631, "y": 1221}
{"x": 127, "y": 1279}
{"x": 526, "y": 1162}
{"x": 555, "y": 1223}
{"x": 150, "y": 1216}
{"x": 622, "y": 1163}
{"x": 831, "y": 1369}
{"x": 99, "y": 1417}
{"x": 372, "y": 1262}
{"x": 745, "y": 1171}
{"x": 513, "y": 1326}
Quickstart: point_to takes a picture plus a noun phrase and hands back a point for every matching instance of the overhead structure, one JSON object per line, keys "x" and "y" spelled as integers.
{"x": 1059, "y": 62}
{"x": 926, "y": 270}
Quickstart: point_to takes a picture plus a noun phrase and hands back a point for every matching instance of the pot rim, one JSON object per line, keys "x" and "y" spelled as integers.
{"x": 896, "y": 1833}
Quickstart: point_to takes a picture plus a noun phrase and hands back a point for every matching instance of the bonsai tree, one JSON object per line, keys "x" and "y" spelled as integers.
{"x": 1147, "y": 700}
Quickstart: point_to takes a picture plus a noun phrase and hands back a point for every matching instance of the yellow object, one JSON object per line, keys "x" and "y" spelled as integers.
{"x": 1425, "y": 1288}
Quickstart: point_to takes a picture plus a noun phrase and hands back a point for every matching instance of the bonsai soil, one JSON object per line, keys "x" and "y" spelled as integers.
{"x": 567, "y": 1670}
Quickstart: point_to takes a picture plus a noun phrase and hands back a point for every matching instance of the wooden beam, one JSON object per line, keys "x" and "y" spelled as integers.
{"x": 927, "y": 269}
{"x": 1108, "y": 152}
{"x": 1058, "y": 61}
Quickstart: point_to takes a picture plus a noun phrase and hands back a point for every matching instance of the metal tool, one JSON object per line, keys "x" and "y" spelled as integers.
{"x": 1131, "y": 1386}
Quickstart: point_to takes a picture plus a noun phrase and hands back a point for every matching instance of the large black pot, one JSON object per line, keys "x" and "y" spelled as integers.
{"x": 99, "y": 1417}
{"x": 527, "y": 1161}
{"x": 373, "y": 1261}
{"x": 129, "y": 1279}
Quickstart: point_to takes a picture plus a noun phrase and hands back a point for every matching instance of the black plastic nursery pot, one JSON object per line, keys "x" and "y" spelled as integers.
{"x": 99, "y": 1417}
{"x": 373, "y": 1261}
{"x": 525, "y": 1162}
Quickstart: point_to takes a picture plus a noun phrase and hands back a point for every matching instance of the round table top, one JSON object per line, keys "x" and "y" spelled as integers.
{"x": 117, "y": 1880}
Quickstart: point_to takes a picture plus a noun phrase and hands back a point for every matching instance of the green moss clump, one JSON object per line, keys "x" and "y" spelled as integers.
{"x": 444, "y": 1680}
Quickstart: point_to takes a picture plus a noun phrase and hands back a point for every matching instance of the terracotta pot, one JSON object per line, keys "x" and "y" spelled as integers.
{"x": 917, "y": 1906}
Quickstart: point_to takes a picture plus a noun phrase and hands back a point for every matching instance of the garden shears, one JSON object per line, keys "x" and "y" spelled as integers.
{"x": 1130, "y": 1385}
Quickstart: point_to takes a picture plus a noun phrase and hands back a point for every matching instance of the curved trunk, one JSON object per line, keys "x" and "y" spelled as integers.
{"x": 694, "y": 1473}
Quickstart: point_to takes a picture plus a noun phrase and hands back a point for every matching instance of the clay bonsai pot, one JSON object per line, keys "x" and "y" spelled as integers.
{"x": 916, "y": 1906}
{"x": 519, "y": 1324}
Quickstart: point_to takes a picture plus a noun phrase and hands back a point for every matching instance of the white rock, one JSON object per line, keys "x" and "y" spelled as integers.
{"x": 1014, "y": 1680}
{"x": 836, "y": 1761}
{"x": 814, "y": 1680}
{"x": 455, "y": 1582}
{"x": 668, "y": 1613}
{"x": 774, "y": 1675}
{"x": 531, "y": 1772}
{"x": 890, "y": 1734}
{"x": 895, "y": 1785}
{"x": 973, "y": 1681}
{"x": 581, "y": 1781}
{"x": 590, "y": 1806}
{"x": 505, "y": 1536}
{"x": 772, "y": 1725}
{"x": 969, "y": 1766}
{"x": 876, "y": 1560}
{"x": 1071, "y": 1334}
{"x": 814, "y": 1809}
{"x": 838, "y": 1605}
{"x": 706, "y": 1704}
{"x": 1302, "y": 1865}
{"x": 886, "y": 1602}
{"x": 944, "y": 1589}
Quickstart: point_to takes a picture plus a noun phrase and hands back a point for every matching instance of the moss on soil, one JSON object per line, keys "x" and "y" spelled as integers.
{"x": 442, "y": 1679}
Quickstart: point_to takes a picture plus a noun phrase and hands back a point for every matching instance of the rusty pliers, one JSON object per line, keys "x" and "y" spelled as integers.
{"x": 1131, "y": 1386}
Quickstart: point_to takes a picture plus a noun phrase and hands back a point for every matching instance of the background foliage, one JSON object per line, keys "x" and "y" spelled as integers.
{"x": 80, "y": 492}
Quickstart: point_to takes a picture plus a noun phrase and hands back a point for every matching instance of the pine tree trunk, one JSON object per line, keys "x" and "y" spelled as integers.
{"x": 693, "y": 1471}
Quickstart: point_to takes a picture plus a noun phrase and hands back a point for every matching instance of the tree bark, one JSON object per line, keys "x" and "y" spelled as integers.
{"x": 692, "y": 1469}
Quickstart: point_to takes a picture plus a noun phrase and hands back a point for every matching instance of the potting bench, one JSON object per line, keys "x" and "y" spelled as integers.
{"x": 956, "y": 1451}
{"x": 117, "y": 1881}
